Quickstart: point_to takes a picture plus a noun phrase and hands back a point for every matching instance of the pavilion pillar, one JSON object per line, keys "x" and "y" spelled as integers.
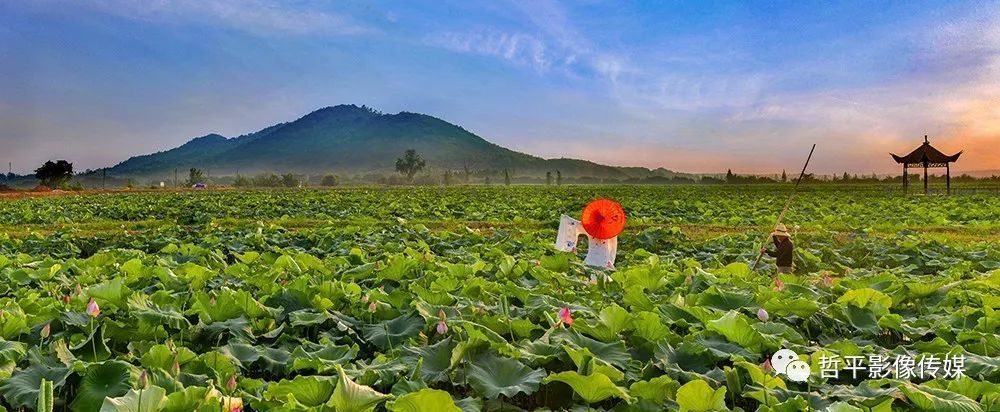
{"x": 947, "y": 179}
{"x": 925, "y": 178}
{"x": 906, "y": 179}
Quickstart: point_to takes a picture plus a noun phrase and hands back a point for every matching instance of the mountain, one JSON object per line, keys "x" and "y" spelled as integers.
{"x": 352, "y": 139}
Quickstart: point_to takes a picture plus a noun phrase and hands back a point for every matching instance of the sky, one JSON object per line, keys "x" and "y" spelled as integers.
{"x": 688, "y": 86}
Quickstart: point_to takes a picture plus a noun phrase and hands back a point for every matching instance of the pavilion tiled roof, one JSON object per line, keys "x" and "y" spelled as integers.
{"x": 926, "y": 153}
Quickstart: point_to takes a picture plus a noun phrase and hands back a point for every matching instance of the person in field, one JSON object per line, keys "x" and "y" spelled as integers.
{"x": 782, "y": 249}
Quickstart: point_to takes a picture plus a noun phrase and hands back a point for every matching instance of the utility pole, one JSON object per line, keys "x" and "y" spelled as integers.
{"x": 175, "y": 177}
{"x": 104, "y": 179}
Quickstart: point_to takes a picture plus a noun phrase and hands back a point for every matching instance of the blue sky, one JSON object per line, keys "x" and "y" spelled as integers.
{"x": 690, "y": 86}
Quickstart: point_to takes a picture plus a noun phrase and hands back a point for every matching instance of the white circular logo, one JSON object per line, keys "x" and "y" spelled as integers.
{"x": 782, "y": 358}
{"x": 797, "y": 371}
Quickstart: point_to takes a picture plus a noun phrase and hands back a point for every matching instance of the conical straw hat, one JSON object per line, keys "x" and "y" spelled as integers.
{"x": 780, "y": 230}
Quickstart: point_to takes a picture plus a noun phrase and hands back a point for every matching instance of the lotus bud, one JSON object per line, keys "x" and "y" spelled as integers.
{"x": 143, "y": 380}
{"x": 212, "y": 301}
{"x": 176, "y": 367}
{"x": 364, "y": 298}
{"x": 766, "y": 366}
{"x": 65, "y": 299}
{"x": 442, "y": 327}
{"x": 688, "y": 280}
{"x": 231, "y": 383}
{"x": 827, "y": 280}
{"x": 565, "y": 316}
{"x": 372, "y": 307}
{"x": 79, "y": 290}
{"x": 762, "y": 315}
{"x": 92, "y": 309}
{"x": 778, "y": 284}
{"x": 442, "y": 315}
{"x": 46, "y": 330}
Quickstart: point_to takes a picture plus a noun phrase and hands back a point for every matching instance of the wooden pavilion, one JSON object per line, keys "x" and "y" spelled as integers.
{"x": 926, "y": 156}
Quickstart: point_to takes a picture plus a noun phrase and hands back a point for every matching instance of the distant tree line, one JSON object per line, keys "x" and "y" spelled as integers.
{"x": 59, "y": 174}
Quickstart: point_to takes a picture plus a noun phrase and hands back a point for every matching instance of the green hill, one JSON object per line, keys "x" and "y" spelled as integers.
{"x": 352, "y": 139}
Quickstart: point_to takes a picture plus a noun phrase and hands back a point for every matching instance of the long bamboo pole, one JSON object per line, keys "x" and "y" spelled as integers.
{"x": 784, "y": 209}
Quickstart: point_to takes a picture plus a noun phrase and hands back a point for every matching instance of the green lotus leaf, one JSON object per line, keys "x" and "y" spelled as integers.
{"x": 591, "y": 388}
{"x": 237, "y": 327}
{"x": 587, "y": 363}
{"x": 151, "y": 399}
{"x": 321, "y": 358}
{"x": 425, "y": 400}
{"x": 649, "y": 326}
{"x": 614, "y": 353}
{"x": 933, "y": 399}
{"x": 658, "y": 389}
{"x": 311, "y": 391}
{"x": 785, "y": 306}
{"x": 698, "y": 396}
{"x": 113, "y": 292}
{"x": 435, "y": 359}
{"x": 95, "y": 348}
{"x": 160, "y": 356}
{"x": 11, "y": 351}
{"x": 216, "y": 365}
{"x": 189, "y": 399}
{"x": 865, "y": 296}
{"x": 492, "y": 376}
{"x": 21, "y": 389}
{"x": 101, "y": 380}
{"x": 143, "y": 308}
{"x": 735, "y": 327}
{"x": 352, "y": 397}
{"x": 307, "y": 318}
{"x": 392, "y": 333}
{"x": 14, "y": 322}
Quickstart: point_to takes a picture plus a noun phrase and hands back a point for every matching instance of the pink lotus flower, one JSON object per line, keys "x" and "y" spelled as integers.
{"x": 778, "y": 284}
{"x": 442, "y": 327}
{"x": 827, "y": 280}
{"x": 231, "y": 383}
{"x": 372, "y": 307}
{"x": 92, "y": 309}
{"x": 767, "y": 366}
{"x": 565, "y": 316}
{"x": 46, "y": 330}
{"x": 762, "y": 315}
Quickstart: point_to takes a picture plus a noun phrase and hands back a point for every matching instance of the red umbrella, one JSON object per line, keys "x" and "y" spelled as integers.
{"x": 603, "y": 219}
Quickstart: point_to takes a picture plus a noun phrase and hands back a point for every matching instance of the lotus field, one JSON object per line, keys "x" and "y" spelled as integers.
{"x": 448, "y": 299}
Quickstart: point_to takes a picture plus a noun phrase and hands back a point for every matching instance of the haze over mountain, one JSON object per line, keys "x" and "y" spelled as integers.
{"x": 352, "y": 139}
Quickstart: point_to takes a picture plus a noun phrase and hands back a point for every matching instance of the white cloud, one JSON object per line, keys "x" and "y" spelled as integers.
{"x": 517, "y": 48}
{"x": 256, "y": 16}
